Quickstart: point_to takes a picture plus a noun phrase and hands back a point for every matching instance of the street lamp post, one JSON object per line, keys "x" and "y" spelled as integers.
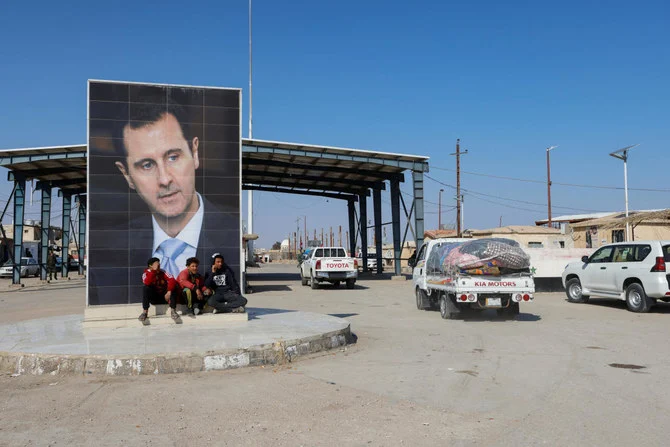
{"x": 622, "y": 154}
{"x": 549, "y": 187}
{"x": 439, "y": 210}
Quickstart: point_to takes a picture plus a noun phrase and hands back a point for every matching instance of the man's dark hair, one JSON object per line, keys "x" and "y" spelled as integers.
{"x": 145, "y": 115}
{"x": 151, "y": 261}
{"x": 190, "y": 261}
{"x": 215, "y": 257}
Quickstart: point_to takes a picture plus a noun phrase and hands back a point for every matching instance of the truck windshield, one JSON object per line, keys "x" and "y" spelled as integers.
{"x": 666, "y": 253}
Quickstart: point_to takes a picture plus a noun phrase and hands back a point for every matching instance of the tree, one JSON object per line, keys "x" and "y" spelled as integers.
{"x": 276, "y": 246}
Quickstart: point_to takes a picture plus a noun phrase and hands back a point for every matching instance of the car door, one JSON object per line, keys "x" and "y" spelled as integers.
{"x": 627, "y": 262}
{"x": 419, "y": 268}
{"x": 595, "y": 274}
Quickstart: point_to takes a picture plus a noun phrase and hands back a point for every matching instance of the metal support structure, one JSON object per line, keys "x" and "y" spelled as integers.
{"x": 82, "y": 233}
{"x": 377, "y": 206}
{"x": 65, "y": 241}
{"x": 417, "y": 178}
{"x": 395, "y": 218}
{"x": 46, "y": 226}
{"x": 352, "y": 228}
{"x": 19, "y": 206}
{"x": 363, "y": 211}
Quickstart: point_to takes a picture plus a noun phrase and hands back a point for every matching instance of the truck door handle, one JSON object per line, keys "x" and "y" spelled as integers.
{"x": 420, "y": 271}
{"x": 603, "y": 268}
{"x": 624, "y": 268}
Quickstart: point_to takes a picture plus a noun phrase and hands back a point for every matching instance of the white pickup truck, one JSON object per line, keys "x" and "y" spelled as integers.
{"x": 328, "y": 264}
{"x": 455, "y": 292}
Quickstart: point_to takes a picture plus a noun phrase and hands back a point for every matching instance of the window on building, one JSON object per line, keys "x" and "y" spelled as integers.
{"x": 535, "y": 245}
{"x": 617, "y": 236}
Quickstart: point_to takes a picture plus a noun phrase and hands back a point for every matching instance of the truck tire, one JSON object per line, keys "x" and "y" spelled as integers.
{"x": 448, "y": 310}
{"x": 312, "y": 282}
{"x": 636, "y": 299}
{"x": 422, "y": 301}
{"x": 336, "y": 284}
{"x": 350, "y": 283}
{"x": 573, "y": 289}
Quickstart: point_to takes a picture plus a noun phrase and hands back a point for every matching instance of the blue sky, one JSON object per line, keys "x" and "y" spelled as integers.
{"x": 507, "y": 78}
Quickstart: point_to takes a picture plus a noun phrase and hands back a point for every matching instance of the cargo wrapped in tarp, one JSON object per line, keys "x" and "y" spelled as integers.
{"x": 490, "y": 256}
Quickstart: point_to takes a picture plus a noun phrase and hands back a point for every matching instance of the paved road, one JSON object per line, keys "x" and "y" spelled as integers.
{"x": 411, "y": 379}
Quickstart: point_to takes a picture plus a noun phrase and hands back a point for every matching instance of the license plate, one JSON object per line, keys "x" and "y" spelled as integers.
{"x": 493, "y": 302}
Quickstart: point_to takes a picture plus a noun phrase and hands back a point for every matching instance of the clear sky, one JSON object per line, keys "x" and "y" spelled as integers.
{"x": 507, "y": 78}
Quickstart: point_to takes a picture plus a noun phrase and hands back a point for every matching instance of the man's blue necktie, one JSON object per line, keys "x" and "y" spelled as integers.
{"x": 171, "y": 249}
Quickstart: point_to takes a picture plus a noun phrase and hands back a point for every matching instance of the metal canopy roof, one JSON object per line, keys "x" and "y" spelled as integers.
{"x": 63, "y": 167}
{"x": 321, "y": 170}
{"x": 266, "y": 165}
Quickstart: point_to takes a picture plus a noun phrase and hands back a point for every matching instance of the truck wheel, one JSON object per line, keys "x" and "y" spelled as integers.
{"x": 350, "y": 283}
{"x": 573, "y": 289}
{"x": 448, "y": 309}
{"x": 636, "y": 299}
{"x": 312, "y": 282}
{"x": 303, "y": 280}
{"x": 422, "y": 301}
{"x": 336, "y": 284}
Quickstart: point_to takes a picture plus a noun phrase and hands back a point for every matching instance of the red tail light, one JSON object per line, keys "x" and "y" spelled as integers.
{"x": 660, "y": 265}
{"x": 318, "y": 264}
{"x": 526, "y": 297}
{"x": 464, "y": 297}
{"x": 355, "y": 264}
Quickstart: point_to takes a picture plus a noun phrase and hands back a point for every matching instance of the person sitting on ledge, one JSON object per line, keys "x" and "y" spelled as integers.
{"x": 158, "y": 288}
{"x": 192, "y": 286}
{"x": 223, "y": 291}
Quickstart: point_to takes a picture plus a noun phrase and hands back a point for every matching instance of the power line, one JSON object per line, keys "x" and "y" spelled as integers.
{"x": 472, "y": 192}
{"x": 575, "y": 185}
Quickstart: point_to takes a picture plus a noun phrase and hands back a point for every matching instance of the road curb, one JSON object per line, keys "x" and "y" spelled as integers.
{"x": 277, "y": 353}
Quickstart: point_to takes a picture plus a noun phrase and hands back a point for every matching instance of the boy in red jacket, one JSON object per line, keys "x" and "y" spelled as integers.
{"x": 158, "y": 288}
{"x": 192, "y": 286}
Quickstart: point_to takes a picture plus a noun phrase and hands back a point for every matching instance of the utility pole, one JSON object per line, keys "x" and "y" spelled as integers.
{"x": 339, "y": 237}
{"x": 458, "y": 154}
{"x": 305, "y": 231}
{"x": 439, "y": 210}
{"x": 347, "y": 239}
{"x": 622, "y": 154}
{"x": 549, "y": 187}
{"x": 331, "y": 236}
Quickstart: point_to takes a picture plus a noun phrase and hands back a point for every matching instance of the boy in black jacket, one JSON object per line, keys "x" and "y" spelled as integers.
{"x": 223, "y": 291}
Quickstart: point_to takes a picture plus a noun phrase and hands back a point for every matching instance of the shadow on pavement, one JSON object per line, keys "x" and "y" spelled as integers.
{"x": 658, "y": 308}
{"x": 255, "y": 312}
{"x": 260, "y": 288}
{"x": 342, "y": 315}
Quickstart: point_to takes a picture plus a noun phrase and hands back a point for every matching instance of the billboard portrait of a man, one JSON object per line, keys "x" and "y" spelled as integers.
{"x": 164, "y": 181}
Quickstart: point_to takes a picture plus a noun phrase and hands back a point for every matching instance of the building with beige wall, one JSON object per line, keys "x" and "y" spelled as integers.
{"x": 648, "y": 225}
{"x": 528, "y": 236}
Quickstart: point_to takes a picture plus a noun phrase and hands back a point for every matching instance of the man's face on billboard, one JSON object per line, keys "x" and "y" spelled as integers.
{"x": 161, "y": 167}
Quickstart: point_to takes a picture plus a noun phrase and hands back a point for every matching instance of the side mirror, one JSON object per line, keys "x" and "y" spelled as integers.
{"x": 411, "y": 263}
{"x": 585, "y": 259}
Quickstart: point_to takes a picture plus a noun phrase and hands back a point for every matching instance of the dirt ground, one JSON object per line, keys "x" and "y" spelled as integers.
{"x": 553, "y": 376}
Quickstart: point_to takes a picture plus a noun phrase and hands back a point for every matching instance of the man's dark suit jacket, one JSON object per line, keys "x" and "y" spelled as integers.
{"x": 117, "y": 258}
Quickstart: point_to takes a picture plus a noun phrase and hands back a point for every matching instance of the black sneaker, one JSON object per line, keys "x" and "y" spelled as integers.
{"x": 143, "y": 317}
{"x": 174, "y": 315}
{"x": 239, "y": 310}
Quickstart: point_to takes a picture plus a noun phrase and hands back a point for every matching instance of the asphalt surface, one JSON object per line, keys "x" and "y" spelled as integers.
{"x": 411, "y": 379}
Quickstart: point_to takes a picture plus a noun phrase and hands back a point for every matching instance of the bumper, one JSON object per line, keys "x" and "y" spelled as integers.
{"x": 337, "y": 276}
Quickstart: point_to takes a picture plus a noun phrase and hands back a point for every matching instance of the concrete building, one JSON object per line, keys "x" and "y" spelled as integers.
{"x": 645, "y": 225}
{"x": 529, "y": 236}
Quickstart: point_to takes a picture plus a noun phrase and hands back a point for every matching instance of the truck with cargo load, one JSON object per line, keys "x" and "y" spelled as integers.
{"x": 456, "y": 275}
{"x": 328, "y": 264}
